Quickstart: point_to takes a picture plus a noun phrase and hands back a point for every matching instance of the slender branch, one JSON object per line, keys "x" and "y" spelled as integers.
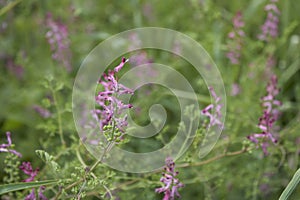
{"x": 108, "y": 192}
{"x": 225, "y": 154}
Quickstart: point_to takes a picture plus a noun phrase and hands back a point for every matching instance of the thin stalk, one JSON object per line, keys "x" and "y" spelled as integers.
{"x": 110, "y": 144}
{"x": 188, "y": 137}
{"x": 59, "y": 121}
{"x": 226, "y": 154}
{"x": 80, "y": 158}
{"x": 8, "y": 7}
{"x": 81, "y": 188}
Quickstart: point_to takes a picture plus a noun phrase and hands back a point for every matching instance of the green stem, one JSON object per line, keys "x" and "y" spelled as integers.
{"x": 8, "y": 7}
{"x": 225, "y": 154}
{"x": 59, "y": 121}
{"x": 81, "y": 188}
{"x": 109, "y": 145}
{"x": 188, "y": 137}
{"x": 107, "y": 149}
{"x": 80, "y": 158}
{"x": 90, "y": 171}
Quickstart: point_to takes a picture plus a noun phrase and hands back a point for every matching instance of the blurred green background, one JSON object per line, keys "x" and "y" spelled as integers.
{"x": 25, "y": 64}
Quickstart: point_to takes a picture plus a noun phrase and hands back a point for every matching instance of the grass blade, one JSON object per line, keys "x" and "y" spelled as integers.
{"x": 291, "y": 186}
{"x": 21, "y": 186}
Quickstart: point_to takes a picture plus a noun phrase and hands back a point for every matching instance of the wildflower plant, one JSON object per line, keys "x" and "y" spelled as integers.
{"x": 110, "y": 114}
{"x": 58, "y": 39}
{"x": 269, "y": 30}
{"x": 269, "y": 117}
{"x": 28, "y": 170}
{"x": 9, "y": 146}
{"x": 171, "y": 184}
{"x": 214, "y": 118}
{"x": 253, "y": 44}
{"x": 235, "y": 39}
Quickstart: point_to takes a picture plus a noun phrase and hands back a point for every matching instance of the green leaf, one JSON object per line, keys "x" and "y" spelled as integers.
{"x": 291, "y": 186}
{"x": 48, "y": 159}
{"x": 289, "y": 72}
{"x": 59, "y": 86}
{"x": 21, "y": 186}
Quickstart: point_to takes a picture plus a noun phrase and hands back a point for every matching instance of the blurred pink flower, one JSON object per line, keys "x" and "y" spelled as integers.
{"x": 138, "y": 57}
{"x": 42, "y": 111}
{"x": 270, "y": 27}
{"x": 214, "y": 118}
{"x": 235, "y": 89}
{"x": 235, "y": 42}
{"x": 58, "y": 40}
{"x": 15, "y": 69}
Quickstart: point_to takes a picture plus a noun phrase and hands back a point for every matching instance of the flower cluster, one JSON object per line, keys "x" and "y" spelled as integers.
{"x": 270, "y": 27}
{"x": 235, "y": 89}
{"x": 27, "y": 169}
{"x": 171, "y": 184}
{"x": 270, "y": 64}
{"x": 215, "y": 118}
{"x": 57, "y": 37}
{"x": 7, "y": 147}
{"x": 140, "y": 57}
{"x": 111, "y": 109}
{"x": 235, "y": 41}
{"x": 15, "y": 69}
{"x": 269, "y": 117}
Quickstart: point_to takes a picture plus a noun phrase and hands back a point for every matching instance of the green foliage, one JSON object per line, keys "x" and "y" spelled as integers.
{"x": 11, "y": 169}
{"x": 235, "y": 169}
{"x": 49, "y": 160}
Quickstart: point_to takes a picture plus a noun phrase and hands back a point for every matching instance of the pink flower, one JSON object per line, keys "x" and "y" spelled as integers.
{"x": 214, "y": 118}
{"x": 235, "y": 41}
{"x": 235, "y": 89}
{"x": 41, "y": 196}
{"x": 59, "y": 42}
{"x": 269, "y": 30}
{"x": 15, "y": 69}
{"x": 42, "y": 111}
{"x": 237, "y": 21}
{"x": 40, "y": 193}
{"x": 31, "y": 195}
{"x": 139, "y": 57}
{"x": 171, "y": 183}
{"x": 27, "y": 169}
{"x": 7, "y": 147}
{"x": 269, "y": 117}
{"x": 111, "y": 108}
